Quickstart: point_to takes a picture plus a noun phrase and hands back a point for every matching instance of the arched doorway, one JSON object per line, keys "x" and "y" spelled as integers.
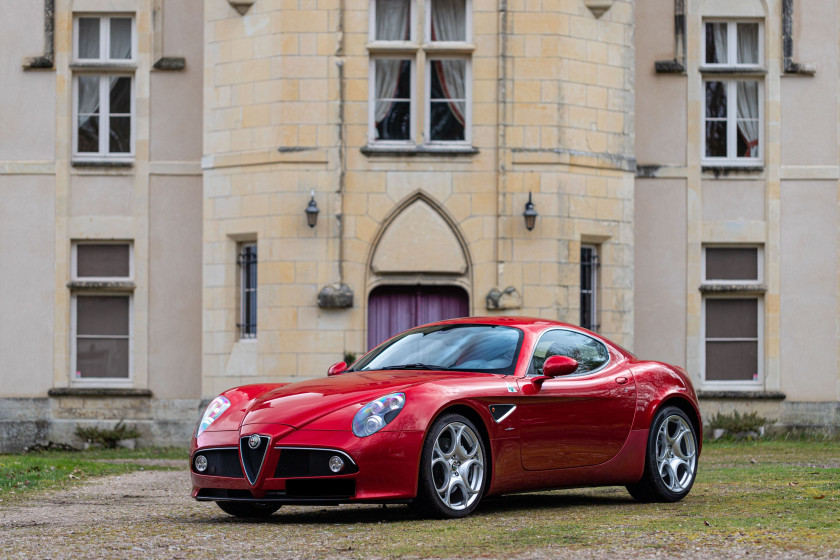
{"x": 393, "y": 309}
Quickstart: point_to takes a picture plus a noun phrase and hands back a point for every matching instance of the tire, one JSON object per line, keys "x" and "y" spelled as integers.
{"x": 453, "y": 469}
{"x": 248, "y": 509}
{"x": 670, "y": 459}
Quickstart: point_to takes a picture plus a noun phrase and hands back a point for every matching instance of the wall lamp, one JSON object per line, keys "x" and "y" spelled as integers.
{"x": 530, "y": 214}
{"x": 312, "y": 212}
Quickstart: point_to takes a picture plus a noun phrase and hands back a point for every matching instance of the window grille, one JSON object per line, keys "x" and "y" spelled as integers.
{"x": 247, "y": 261}
{"x": 589, "y": 264}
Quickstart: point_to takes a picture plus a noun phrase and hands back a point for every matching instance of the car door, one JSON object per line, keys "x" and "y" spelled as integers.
{"x": 580, "y": 419}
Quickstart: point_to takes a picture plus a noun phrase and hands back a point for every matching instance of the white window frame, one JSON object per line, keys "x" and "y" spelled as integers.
{"x": 104, "y": 38}
{"x": 101, "y": 381}
{"x": 104, "y": 68}
{"x": 731, "y": 160}
{"x": 732, "y": 45}
{"x": 759, "y": 263}
{"x": 421, "y": 56}
{"x": 734, "y": 385}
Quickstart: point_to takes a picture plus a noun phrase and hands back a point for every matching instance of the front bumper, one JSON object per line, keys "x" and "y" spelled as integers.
{"x": 386, "y": 467}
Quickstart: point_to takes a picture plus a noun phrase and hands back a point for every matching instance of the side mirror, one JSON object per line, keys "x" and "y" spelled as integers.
{"x": 555, "y": 366}
{"x": 336, "y": 369}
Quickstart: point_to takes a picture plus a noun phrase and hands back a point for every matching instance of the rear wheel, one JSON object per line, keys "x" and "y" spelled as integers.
{"x": 670, "y": 460}
{"x": 453, "y": 468}
{"x": 248, "y": 509}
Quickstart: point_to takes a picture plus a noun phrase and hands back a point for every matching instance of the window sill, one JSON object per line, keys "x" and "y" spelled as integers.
{"x": 101, "y": 286}
{"x": 729, "y": 70}
{"x": 756, "y": 289}
{"x": 412, "y": 150}
{"x": 103, "y": 163}
{"x": 104, "y": 66}
{"x": 98, "y": 392}
{"x": 726, "y": 169}
{"x": 742, "y": 395}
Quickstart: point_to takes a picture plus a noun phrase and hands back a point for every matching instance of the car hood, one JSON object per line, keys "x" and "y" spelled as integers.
{"x": 301, "y": 403}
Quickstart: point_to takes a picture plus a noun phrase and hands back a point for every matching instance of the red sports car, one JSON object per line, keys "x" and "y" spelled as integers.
{"x": 444, "y": 414}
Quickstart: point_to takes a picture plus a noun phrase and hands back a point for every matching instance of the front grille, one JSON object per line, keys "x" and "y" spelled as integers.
{"x": 335, "y": 488}
{"x": 252, "y": 458}
{"x": 220, "y": 462}
{"x": 300, "y": 463}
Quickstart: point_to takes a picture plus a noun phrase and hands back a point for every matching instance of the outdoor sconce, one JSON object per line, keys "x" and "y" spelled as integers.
{"x": 530, "y": 214}
{"x": 312, "y": 212}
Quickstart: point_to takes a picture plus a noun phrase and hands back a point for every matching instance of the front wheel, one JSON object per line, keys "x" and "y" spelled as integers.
{"x": 453, "y": 468}
{"x": 248, "y": 509}
{"x": 670, "y": 459}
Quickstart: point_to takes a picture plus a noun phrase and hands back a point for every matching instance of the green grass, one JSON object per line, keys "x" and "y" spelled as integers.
{"x": 22, "y": 474}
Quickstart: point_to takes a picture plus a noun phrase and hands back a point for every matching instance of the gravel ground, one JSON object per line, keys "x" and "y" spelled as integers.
{"x": 149, "y": 514}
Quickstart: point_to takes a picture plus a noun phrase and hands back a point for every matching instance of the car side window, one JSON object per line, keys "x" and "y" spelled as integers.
{"x": 589, "y": 353}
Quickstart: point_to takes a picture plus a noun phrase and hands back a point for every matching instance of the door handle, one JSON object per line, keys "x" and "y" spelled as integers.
{"x": 621, "y": 380}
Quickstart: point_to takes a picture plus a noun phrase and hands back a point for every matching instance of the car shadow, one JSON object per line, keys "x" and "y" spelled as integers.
{"x": 374, "y": 513}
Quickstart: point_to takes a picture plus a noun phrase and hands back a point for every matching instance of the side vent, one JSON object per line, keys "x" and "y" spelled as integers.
{"x": 501, "y": 411}
{"x": 252, "y": 455}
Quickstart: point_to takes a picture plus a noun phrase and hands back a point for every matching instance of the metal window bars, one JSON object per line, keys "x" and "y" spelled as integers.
{"x": 589, "y": 264}
{"x": 247, "y": 261}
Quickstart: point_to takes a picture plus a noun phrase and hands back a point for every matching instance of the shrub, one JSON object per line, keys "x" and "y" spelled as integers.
{"x": 736, "y": 423}
{"x": 107, "y": 437}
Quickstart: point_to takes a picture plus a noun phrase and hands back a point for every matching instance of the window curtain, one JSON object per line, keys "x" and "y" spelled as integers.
{"x": 721, "y": 54}
{"x": 120, "y": 38}
{"x": 747, "y": 43}
{"x": 392, "y": 21}
{"x": 748, "y": 116}
{"x": 449, "y": 23}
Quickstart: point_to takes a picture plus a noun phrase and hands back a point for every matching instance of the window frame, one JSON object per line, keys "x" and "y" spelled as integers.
{"x": 730, "y": 74}
{"x": 74, "y": 314}
{"x": 420, "y": 51}
{"x": 719, "y": 282}
{"x": 242, "y": 326}
{"x": 594, "y": 269}
{"x": 735, "y": 384}
{"x": 104, "y": 69}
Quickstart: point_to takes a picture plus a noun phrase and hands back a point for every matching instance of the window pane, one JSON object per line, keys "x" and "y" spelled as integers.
{"x": 121, "y": 95}
{"x": 716, "y": 139}
{"x": 121, "y": 38}
{"x": 716, "y": 100}
{"x": 88, "y": 139}
{"x": 448, "y": 103}
{"x": 392, "y": 105}
{"x": 732, "y": 318}
{"x": 748, "y": 119}
{"x": 102, "y": 261}
{"x": 119, "y": 135}
{"x": 731, "y": 361}
{"x": 88, "y": 109}
{"x": 589, "y": 353}
{"x": 748, "y": 43}
{"x": 102, "y": 315}
{"x": 716, "y": 43}
{"x": 739, "y": 263}
{"x": 449, "y": 20}
{"x": 588, "y": 260}
{"x": 248, "y": 265}
{"x": 89, "y": 38}
{"x": 102, "y": 357}
{"x": 393, "y": 20}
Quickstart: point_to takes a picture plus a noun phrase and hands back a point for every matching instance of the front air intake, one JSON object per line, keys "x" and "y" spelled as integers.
{"x": 252, "y": 449}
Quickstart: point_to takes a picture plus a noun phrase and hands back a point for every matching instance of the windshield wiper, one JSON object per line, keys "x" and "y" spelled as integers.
{"x": 415, "y": 366}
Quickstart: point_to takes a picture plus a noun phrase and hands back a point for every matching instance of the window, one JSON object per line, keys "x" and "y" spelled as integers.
{"x": 101, "y": 316}
{"x": 589, "y": 265}
{"x": 103, "y": 92}
{"x": 733, "y": 316}
{"x": 732, "y": 119}
{"x": 247, "y": 261}
{"x": 442, "y": 86}
{"x": 590, "y": 354}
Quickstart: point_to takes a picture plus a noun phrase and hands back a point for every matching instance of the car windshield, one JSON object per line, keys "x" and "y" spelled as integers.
{"x": 480, "y": 348}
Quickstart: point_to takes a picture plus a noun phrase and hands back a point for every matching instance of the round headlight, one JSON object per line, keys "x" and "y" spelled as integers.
{"x": 336, "y": 464}
{"x": 373, "y": 424}
{"x": 201, "y": 463}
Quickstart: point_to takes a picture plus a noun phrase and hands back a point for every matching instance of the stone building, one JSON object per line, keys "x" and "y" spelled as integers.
{"x": 203, "y": 194}
{"x": 736, "y": 201}
{"x": 100, "y": 217}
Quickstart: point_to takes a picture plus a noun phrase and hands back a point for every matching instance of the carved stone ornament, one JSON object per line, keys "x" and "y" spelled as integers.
{"x": 335, "y": 296}
{"x": 598, "y": 7}
{"x": 509, "y": 298}
{"x": 241, "y": 6}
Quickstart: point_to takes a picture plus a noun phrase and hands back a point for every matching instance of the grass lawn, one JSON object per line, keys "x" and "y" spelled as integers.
{"x": 21, "y": 474}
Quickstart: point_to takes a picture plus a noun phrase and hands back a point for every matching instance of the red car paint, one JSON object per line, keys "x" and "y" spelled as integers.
{"x": 582, "y": 430}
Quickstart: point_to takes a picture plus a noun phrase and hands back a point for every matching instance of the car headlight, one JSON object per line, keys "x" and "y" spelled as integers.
{"x": 377, "y": 414}
{"x": 215, "y": 409}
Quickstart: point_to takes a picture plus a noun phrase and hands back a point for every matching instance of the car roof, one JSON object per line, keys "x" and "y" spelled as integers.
{"x": 527, "y": 323}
